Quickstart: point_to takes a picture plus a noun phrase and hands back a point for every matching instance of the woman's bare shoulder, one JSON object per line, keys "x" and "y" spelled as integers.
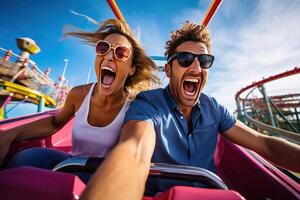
{"x": 78, "y": 93}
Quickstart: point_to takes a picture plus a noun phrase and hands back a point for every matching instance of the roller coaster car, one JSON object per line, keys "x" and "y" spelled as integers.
{"x": 245, "y": 173}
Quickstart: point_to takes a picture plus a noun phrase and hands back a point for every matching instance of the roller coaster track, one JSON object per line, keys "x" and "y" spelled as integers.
{"x": 280, "y": 105}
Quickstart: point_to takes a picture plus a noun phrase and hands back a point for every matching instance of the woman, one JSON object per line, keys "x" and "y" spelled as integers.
{"x": 122, "y": 69}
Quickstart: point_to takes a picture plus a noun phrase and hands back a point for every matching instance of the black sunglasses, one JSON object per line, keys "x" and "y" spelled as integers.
{"x": 185, "y": 59}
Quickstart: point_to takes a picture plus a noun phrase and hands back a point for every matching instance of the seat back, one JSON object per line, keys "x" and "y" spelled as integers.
{"x": 252, "y": 178}
{"x": 27, "y": 183}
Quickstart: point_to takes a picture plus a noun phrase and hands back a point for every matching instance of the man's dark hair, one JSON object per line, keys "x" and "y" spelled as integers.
{"x": 188, "y": 32}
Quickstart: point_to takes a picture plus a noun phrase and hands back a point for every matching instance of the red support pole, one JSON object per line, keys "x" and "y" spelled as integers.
{"x": 114, "y": 7}
{"x": 211, "y": 11}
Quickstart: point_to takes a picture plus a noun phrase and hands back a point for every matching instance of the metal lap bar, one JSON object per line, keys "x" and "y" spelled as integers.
{"x": 74, "y": 163}
{"x": 162, "y": 170}
{"x": 189, "y": 173}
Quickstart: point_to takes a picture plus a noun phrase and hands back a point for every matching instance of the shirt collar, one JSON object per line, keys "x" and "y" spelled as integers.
{"x": 199, "y": 102}
{"x": 169, "y": 98}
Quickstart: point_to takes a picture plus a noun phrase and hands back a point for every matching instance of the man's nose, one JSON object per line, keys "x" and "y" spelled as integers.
{"x": 195, "y": 66}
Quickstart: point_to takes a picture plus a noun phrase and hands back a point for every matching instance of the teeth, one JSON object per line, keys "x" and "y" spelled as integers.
{"x": 194, "y": 80}
{"x": 108, "y": 68}
{"x": 189, "y": 93}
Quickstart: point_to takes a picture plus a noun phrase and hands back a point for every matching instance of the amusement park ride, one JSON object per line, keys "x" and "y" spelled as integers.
{"x": 241, "y": 173}
{"x": 22, "y": 81}
{"x": 272, "y": 115}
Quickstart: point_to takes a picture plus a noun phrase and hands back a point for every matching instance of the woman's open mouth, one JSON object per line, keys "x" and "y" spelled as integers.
{"x": 190, "y": 86}
{"x": 108, "y": 76}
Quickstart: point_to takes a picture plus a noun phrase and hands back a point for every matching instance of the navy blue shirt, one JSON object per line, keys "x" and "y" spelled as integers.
{"x": 175, "y": 144}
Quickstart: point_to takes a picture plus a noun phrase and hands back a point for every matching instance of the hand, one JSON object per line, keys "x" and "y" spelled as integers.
{"x": 5, "y": 141}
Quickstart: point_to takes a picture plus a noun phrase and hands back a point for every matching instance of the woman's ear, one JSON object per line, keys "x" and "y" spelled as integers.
{"x": 168, "y": 70}
{"x": 132, "y": 70}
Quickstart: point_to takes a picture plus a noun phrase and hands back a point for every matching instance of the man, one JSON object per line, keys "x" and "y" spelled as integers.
{"x": 179, "y": 125}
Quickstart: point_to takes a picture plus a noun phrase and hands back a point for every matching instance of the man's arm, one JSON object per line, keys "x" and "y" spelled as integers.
{"x": 279, "y": 151}
{"x": 124, "y": 172}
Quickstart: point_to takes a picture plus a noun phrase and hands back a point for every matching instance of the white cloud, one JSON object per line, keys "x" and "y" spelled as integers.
{"x": 137, "y": 33}
{"x": 150, "y": 35}
{"x": 267, "y": 42}
{"x": 194, "y": 15}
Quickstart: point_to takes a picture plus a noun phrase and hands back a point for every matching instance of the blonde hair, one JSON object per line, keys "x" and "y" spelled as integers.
{"x": 144, "y": 77}
{"x": 188, "y": 32}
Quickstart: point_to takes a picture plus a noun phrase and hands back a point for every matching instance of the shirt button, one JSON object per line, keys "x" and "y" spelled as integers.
{"x": 181, "y": 117}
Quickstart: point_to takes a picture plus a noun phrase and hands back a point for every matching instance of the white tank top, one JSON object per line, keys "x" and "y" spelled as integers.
{"x": 94, "y": 141}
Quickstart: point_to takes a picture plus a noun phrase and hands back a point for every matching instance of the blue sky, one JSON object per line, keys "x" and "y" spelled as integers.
{"x": 251, "y": 38}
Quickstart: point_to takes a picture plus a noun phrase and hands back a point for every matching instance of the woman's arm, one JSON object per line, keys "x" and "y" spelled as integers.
{"x": 46, "y": 126}
{"x": 40, "y": 128}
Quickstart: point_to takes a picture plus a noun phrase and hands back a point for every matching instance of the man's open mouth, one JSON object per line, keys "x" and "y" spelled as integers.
{"x": 108, "y": 76}
{"x": 190, "y": 86}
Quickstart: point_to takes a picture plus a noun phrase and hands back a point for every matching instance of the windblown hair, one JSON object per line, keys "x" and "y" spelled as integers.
{"x": 188, "y": 32}
{"x": 144, "y": 77}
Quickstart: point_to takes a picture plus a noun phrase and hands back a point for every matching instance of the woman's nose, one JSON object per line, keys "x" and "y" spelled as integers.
{"x": 109, "y": 55}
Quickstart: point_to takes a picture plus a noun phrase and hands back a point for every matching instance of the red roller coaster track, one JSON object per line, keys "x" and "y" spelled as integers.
{"x": 296, "y": 70}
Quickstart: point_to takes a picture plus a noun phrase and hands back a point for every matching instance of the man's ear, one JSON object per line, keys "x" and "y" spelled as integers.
{"x": 168, "y": 70}
{"x": 132, "y": 70}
